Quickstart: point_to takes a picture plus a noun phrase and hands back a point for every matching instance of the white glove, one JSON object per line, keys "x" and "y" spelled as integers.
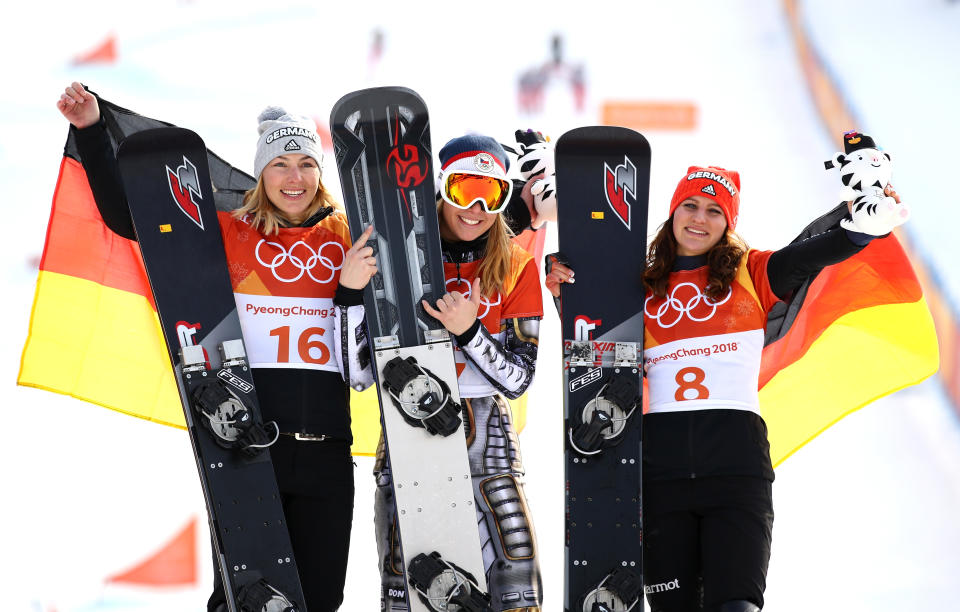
{"x": 536, "y": 164}
{"x": 875, "y": 214}
{"x": 535, "y": 155}
{"x": 544, "y": 191}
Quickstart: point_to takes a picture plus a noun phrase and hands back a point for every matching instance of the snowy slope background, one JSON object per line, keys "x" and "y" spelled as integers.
{"x": 865, "y": 514}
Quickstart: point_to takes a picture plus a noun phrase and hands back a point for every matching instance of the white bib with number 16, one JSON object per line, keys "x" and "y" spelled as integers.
{"x": 287, "y": 332}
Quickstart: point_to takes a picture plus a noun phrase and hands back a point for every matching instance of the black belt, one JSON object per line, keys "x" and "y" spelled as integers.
{"x": 306, "y": 437}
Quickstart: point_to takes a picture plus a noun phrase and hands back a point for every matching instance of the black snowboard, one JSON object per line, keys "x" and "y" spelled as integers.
{"x": 382, "y": 142}
{"x": 168, "y": 187}
{"x": 602, "y": 189}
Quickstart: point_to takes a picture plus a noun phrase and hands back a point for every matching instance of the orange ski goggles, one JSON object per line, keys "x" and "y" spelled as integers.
{"x": 464, "y": 189}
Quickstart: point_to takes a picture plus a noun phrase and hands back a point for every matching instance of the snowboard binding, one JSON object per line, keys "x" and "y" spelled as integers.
{"x": 423, "y": 399}
{"x": 619, "y": 591}
{"x": 259, "y": 596}
{"x": 445, "y": 587}
{"x": 225, "y": 415}
{"x": 601, "y": 421}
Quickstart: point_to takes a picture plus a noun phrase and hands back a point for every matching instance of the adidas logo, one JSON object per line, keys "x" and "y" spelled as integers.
{"x": 291, "y": 146}
{"x": 708, "y": 189}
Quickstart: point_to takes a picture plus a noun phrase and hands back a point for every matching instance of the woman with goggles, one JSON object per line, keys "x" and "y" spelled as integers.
{"x": 492, "y": 308}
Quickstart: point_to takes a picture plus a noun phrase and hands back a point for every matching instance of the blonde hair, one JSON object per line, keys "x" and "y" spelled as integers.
{"x": 497, "y": 259}
{"x": 267, "y": 218}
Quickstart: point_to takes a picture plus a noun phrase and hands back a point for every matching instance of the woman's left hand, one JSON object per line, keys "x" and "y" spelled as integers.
{"x": 876, "y": 215}
{"x": 557, "y": 275}
{"x": 890, "y": 192}
{"x": 455, "y": 311}
{"x": 359, "y": 264}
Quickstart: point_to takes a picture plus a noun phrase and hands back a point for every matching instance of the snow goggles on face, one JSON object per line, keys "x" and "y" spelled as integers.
{"x": 464, "y": 189}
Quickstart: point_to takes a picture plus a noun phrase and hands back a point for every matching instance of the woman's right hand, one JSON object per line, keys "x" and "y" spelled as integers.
{"x": 79, "y": 106}
{"x": 359, "y": 264}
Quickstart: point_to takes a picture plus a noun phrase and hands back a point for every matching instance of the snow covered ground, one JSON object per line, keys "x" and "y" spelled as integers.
{"x": 864, "y": 513}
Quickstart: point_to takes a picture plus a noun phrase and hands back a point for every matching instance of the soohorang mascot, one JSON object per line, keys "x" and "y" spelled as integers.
{"x": 865, "y": 171}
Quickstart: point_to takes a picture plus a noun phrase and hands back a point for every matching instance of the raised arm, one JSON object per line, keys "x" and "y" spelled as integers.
{"x": 789, "y": 267}
{"x": 82, "y": 110}
{"x": 79, "y": 106}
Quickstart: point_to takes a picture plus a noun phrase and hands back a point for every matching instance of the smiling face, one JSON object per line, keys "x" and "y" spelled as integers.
{"x": 698, "y": 224}
{"x": 291, "y": 183}
{"x": 459, "y": 225}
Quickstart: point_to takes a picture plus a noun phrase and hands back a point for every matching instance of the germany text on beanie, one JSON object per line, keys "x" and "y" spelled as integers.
{"x": 713, "y": 182}
{"x": 282, "y": 133}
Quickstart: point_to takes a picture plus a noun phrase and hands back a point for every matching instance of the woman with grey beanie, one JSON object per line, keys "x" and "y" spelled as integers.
{"x": 292, "y": 268}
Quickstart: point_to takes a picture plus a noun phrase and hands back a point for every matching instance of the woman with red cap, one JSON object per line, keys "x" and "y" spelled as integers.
{"x": 707, "y": 475}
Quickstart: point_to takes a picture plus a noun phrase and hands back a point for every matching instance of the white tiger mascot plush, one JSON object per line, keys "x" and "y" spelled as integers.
{"x": 865, "y": 171}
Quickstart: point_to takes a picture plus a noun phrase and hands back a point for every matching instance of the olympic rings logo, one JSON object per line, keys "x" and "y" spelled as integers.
{"x": 673, "y": 304}
{"x": 306, "y": 264}
{"x": 487, "y": 305}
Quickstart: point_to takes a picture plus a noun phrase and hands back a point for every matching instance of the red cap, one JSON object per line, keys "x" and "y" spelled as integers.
{"x": 712, "y": 182}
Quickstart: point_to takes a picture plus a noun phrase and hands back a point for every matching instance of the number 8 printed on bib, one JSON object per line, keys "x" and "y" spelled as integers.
{"x": 704, "y": 373}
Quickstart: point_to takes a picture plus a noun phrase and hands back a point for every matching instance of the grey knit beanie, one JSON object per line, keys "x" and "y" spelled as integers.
{"x": 282, "y": 134}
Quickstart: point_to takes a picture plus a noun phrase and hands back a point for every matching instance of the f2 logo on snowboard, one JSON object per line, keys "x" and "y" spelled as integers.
{"x": 619, "y": 183}
{"x": 185, "y": 189}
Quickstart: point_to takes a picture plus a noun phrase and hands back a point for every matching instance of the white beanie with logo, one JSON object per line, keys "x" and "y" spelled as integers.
{"x": 282, "y": 133}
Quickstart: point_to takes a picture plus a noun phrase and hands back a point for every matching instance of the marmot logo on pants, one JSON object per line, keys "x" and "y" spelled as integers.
{"x": 661, "y": 587}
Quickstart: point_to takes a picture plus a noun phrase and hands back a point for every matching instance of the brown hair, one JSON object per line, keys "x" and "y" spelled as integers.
{"x": 723, "y": 260}
{"x": 267, "y": 218}
{"x": 496, "y": 262}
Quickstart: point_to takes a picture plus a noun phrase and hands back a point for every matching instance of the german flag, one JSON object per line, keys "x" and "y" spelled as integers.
{"x": 94, "y": 332}
{"x": 857, "y": 331}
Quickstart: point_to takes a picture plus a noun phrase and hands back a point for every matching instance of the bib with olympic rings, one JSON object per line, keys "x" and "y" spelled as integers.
{"x": 284, "y": 285}
{"x": 704, "y": 353}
